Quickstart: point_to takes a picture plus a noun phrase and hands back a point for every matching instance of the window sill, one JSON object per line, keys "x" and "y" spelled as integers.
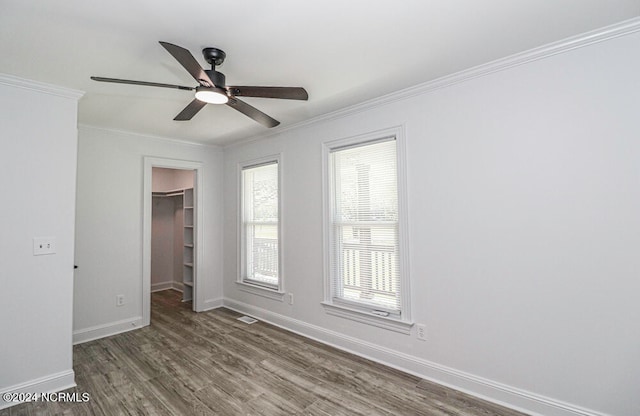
{"x": 273, "y": 294}
{"x": 392, "y": 324}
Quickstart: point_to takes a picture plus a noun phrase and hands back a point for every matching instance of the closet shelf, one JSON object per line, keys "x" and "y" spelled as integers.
{"x": 188, "y": 271}
{"x": 177, "y": 192}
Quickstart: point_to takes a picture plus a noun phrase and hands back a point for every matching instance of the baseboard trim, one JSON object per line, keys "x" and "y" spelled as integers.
{"x": 49, "y": 384}
{"x": 511, "y": 397}
{"x": 210, "y": 304}
{"x": 113, "y": 328}
{"x": 159, "y": 287}
{"x": 100, "y": 331}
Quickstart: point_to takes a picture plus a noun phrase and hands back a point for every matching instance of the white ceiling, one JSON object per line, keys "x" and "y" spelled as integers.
{"x": 342, "y": 52}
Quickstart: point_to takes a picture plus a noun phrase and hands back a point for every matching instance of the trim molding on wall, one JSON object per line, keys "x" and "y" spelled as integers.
{"x": 49, "y": 384}
{"x": 585, "y": 39}
{"x": 485, "y": 389}
{"x": 210, "y": 304}
{"x": 492, "y": 391}
{"x": 158, "y": 287}
{"x": 125, "y": 133}
{"x": 40, "y": 87}
{"x": 106, "y": 330}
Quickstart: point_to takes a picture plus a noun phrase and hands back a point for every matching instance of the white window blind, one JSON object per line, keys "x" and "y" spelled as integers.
{"x": 260, "y": 225}
{"x": 365, "y": 266}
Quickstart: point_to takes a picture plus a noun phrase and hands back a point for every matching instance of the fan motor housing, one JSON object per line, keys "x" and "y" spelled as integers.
{"x": 218, "y": 78}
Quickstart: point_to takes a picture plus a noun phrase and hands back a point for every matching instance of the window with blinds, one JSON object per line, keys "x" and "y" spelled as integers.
{"x": 364, "y": 260}
{"x": 260, "y": 231}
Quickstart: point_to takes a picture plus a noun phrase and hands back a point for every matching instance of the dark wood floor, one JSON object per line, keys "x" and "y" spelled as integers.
{"x": 211, "y": 364}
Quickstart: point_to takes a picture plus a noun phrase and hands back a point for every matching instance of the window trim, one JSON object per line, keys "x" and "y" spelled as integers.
{"x": 403, "y": 322}
{"x": 275, "y": 293}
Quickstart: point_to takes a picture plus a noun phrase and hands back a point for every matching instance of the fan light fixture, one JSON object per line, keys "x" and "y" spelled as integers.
{"x": 212, "y": 87}
{"x": 212, "y": 95}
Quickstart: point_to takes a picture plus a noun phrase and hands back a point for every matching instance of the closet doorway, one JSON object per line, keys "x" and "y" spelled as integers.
{"x": 172, "y": 231}
{"x": 172, "y": 238}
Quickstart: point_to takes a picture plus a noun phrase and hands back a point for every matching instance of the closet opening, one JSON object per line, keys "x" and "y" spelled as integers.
{"x": 172, "y": 235}
{"x": 173, "y": 189}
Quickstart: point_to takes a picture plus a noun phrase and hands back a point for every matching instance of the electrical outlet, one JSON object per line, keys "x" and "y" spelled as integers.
{"x": 44, "y": 245}
{"x": 119, "y": 300}
{"x": 422, "y": 332}
{"x": 290, "y": 298}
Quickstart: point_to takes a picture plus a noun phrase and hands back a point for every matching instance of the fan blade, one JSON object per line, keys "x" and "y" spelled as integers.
{"x": 145, "y": 83}
{"x": 189, "y": 63}
{"x": 252, "y": 112}
{"x": 190, "y": 110}
{"x": 287, "y": 93}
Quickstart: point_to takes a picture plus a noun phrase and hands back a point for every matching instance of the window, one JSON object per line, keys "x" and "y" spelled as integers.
{"x": 260, "y": 231}
{"x": 365, "y": 266}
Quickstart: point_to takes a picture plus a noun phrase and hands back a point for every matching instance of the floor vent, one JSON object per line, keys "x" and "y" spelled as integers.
{"x": 247, "y": 320}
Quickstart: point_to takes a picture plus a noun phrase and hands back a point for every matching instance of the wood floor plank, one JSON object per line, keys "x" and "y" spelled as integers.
{"x": 212, "y": 364}
{"x": 221, "y": 402}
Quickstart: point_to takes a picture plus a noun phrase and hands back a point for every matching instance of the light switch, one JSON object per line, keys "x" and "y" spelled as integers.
{"x": 44, "y": 245}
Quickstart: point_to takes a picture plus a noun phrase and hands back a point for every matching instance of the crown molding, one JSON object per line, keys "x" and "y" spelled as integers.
{"x": 125, "y": 133}
{"x": 623, "y": 28}
{"x": 50, "y": 89}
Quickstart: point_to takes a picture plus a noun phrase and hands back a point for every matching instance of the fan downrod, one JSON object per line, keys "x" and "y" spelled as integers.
{"x": 214, "y": 56}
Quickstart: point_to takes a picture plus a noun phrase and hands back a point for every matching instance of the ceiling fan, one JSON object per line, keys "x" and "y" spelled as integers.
{"x": 212, "y": 88}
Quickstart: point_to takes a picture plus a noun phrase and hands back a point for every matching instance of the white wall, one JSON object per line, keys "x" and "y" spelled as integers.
{"x": 164, "y": 179}
{"x": 38, "y": 169}
{"x": 162, "y": 242}
{"x": 109, "y": 226}
{"x": 524, "y": 211}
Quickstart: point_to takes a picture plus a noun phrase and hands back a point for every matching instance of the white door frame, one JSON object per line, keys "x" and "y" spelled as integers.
{"x": 198, "y": 168}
